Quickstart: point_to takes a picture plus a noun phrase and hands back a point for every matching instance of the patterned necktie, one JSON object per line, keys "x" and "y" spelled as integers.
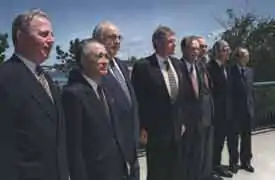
{"x": 43, "y": 81}
{"x": 172, "y": 81}
{"x": 194, "y": 81}
{"x": 120, "y": 80}
{"x": 103, "y": 99}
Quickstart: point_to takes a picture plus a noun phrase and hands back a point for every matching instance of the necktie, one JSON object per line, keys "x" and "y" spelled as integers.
{"x": 242, "y": 72}
{"x": 194, "y": 81}
{"x": 103, "y": 99}
{"x": 43, "y": 81}
{"x": 224, "y": 71}
{"x": 119, "y": 77}
{"x": 172, "y": 81}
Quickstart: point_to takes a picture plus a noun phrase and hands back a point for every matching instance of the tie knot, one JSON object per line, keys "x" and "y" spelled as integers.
{"x": 166, "y": 64}
{"x": 112, "y": 64}
{"x": 38, "y": 70}
{"x": 191, "y": 68}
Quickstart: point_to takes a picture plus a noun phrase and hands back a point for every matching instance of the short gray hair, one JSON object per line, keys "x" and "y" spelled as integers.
{"x": 161, "y": 33}
{"x": 23, "y": 20}
{"x": 98, "y": 30}
{"x": 82, "y": 49}
{"x": 218, "y": 45}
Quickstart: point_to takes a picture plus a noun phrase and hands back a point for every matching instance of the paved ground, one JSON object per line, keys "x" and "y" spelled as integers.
{"x": 263, "y": 161}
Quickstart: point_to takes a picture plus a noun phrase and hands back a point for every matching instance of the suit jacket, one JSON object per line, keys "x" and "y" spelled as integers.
{"x": 222, "y": 92}
{"x": 32, "y": 129}
{"x": 127, "y": 122}
{"x": 242, "y": 93}
{"x": 192, "y": 109}
{"x": 93, "y": 148}
{"x": 160, "y": 116}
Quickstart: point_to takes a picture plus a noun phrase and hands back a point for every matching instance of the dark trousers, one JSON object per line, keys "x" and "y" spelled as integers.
{"x": 243, "y": 137}
{"x": 224, "y": 132}
{"x": 192, "y": 155}
{"x": 206, "y": 165}
{"x": 163, "y": 160}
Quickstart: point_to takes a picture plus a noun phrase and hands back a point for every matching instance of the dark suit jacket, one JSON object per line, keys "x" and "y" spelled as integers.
{"x": 222, "y": 93}
{"x": 192, "y": 109}
{"x": 158, "y": 115}
{"x": 32, "y": 129}
{"x": 127, "y": 124}
{"x": 93, "y": 148}
{"x": 242, "y": 94}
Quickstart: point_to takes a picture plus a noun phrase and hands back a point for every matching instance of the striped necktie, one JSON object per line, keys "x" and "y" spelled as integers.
{"x": 40, "y": 74}
{"x": 172, "y": 81}
{"x": 119, "y": 77}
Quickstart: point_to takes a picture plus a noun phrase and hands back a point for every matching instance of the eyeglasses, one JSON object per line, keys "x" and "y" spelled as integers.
{"x": 114, "y": 37}
{"x": 203, "y": 46}
{"x": 101, "y": 55}
{"x": 226, "y": 49}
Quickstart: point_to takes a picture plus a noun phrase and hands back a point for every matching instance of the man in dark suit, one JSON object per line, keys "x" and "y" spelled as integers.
{"x": 194, "y": 89}
{"x": 207, "y": 132}
{"x": 94, "y": 147}
{"x": 243, "y": 107}
{"x": 223, "y": 126}
{"x": 120, "y": 84}
{"x": 32, "y": 132}
{"x": 157, "y": 81}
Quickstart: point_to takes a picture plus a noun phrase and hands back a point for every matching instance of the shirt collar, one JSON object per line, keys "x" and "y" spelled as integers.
{"x": 31, "y": 65}
{"x": 219, "y": 62}
{"x": 91, "y": 82}
{"x": 188, "y": 64}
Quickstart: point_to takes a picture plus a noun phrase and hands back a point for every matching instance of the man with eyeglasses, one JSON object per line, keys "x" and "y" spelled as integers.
{"x": 221, "y": 91}
{"x": 206, "y": 165}
{"x": 243, "y": 107}
{"x": 122, "y": 90}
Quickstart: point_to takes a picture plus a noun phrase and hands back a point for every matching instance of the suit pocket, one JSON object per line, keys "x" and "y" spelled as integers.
{"x": 30, "y": 171}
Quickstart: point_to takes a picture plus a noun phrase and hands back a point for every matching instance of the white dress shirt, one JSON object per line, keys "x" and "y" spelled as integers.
{"x": 189, "y": 66}
{"x": 220, "y": 64}
{"x": 30, "y": 65}
{"x": 91, "y": 83}
{"x": 163, "y": 69}
{"x": 117, "y": 67}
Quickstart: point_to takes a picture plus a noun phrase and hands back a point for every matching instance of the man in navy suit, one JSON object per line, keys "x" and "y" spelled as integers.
{"x": 94, "y": 141}
{"x": 119, "y": 82}
{"x": 158, "y": 84}
{"x": 243, "y": 107}
{"x": 32, "y": 128}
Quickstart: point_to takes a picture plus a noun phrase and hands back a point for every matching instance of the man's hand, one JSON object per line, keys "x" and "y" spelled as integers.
{"x": 143, "y": 136}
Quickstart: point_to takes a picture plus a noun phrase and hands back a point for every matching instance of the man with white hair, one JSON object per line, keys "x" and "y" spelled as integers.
{"x": 32, "y": 128}
{"x": 243, "y": 107}
{"x": 119, "y": 81}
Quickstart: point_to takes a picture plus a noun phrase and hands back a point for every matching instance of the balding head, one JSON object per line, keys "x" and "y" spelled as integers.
{"x": 109, "y": 35}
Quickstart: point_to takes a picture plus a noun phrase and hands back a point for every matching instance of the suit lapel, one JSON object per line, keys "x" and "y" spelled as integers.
{"x": 35, "y": 90}
{"x": 187, "y": 74}
{"x": 157, "y": 74}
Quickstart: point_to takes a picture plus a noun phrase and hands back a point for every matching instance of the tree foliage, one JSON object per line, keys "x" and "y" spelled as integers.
{"x": 258, "y": 35}
{"x": 4, "y": 45}
{"x": 67, "y": 59}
